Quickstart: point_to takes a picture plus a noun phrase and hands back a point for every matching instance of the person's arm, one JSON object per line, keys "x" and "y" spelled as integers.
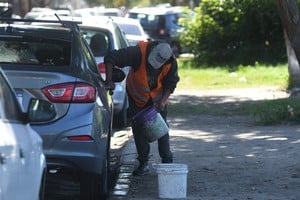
{"x": 160, "y": 105}
{"x": 109, "y": 81}
{"x": 172, "y": 78}
{"x": 121, "y": 58}
{"x": 169, "y": 84}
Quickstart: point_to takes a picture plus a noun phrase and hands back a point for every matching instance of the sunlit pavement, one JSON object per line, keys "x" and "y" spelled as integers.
{"x": 127, "y": 163}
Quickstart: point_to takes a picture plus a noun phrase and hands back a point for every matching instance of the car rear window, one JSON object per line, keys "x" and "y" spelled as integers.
{"x": 130, "y": 29}
{"x": 35, "y": 52}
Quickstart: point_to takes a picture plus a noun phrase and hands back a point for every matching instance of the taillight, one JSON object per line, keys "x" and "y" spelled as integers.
{"x": 70, "y": 93}
{"x": 80, "y": 138}
{"x": 162, "y": 31}
{"x": 102, "y": 70}
{"x": 101, "y": 67}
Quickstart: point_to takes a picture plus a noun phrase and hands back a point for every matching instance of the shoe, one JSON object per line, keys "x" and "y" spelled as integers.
{"x": 142, "y": 170}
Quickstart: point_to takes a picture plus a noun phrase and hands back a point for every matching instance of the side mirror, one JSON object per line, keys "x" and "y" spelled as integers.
{"x": 40, "y": 111}
{"x": 118, "y": 75}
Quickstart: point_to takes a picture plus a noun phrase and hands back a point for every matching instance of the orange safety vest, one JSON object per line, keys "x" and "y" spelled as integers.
{"x": 137, "y": 83}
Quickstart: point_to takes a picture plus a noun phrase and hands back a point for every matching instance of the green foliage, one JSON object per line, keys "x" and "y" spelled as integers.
{"x": 276, "y": 111}
{"x": 193, "y": 76}
{"x": 235, "y": 31}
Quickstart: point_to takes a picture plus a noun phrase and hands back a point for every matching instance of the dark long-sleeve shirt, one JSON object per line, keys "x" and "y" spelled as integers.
{"x": 131, "y": 56}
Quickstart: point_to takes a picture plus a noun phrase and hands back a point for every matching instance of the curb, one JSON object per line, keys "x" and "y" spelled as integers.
{"x": 127, "y": 165}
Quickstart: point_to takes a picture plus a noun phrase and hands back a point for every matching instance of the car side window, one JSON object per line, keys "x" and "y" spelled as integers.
{"x": 90, "y": 58}
{"x": 175, "y": 19}
{"x": 121, "y": 38}
{"x": 9, "y": 108}
{"x": 99, "y": 44}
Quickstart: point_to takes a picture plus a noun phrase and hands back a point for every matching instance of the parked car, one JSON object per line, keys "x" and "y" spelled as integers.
{"x": 104, "y": 35}
{"x": 56, "y": 64}
{"x": 97, "y": 11}
{"x": 22, "y": 162}
{"x": 134, "y": 32}
{"x": 161, "y": 23}
{"x": 37, "y": 12}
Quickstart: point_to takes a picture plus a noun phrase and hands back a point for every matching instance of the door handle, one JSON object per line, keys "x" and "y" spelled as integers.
{"x": 21, "y": 153}
{"x": 2, "y": 159}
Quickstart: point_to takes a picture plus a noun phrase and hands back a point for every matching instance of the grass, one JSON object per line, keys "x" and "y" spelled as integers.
{"x": 265, "y": 112}
{"x": 220, "y": 78}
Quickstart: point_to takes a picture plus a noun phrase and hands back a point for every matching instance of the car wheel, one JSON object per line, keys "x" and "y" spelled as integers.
{"x": 43, "y": 186}
{"x": 94, "y": 186}
{"x": 121, "y": 119}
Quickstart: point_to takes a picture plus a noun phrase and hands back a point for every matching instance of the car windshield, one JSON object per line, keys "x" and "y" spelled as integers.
{"x": 34, "y": 52}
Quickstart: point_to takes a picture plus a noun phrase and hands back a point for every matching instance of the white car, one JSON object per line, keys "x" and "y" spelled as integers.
{"x": 134, "y": 32}
{"x": 22, "y": 162}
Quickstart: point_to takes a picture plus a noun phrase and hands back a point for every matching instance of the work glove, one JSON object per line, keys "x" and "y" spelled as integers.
{"x": 160, "y": 106}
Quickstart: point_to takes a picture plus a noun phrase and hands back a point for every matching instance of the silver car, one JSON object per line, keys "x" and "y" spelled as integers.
{"x": 22, "y": 162}
{"x": 54, "y": 63}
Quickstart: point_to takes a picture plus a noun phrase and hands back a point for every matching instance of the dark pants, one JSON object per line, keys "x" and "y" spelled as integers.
{"x": 142, "y": 145}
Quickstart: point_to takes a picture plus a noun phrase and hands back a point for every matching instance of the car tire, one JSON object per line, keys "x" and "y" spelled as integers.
{"x": 94, "y": 186}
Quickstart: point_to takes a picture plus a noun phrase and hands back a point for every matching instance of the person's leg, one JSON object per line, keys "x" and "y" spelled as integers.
{"x": 142, "y": 146}
{"x": 164, "y": 149}
{"x": 164, "y": 143}
{"x": 143, "y": 150}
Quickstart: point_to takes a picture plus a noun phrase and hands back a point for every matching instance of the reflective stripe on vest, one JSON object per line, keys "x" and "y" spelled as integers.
{"x": 137, "y": 83}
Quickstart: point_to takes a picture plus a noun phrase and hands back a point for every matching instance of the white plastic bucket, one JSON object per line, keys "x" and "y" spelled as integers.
{"x": 172, "y": 180}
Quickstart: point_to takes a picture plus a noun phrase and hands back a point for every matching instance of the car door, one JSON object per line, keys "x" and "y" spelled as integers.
{"x": 20, "y": 150}
{"x": 8, "y": 160}
{"x": 9, "y": 150}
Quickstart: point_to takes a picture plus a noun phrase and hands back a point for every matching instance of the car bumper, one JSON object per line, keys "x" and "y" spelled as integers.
{"x": 91, "y": 157}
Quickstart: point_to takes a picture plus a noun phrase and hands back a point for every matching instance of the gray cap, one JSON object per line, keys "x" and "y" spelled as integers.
{"x": 159, "y": 55}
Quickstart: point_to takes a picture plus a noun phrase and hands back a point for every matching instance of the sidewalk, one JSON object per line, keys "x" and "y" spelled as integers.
{"x": 126, "y": 183}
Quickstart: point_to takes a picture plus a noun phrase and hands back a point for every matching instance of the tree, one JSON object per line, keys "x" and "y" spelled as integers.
{"x": 289, "y": 15}
{"x": 235, "y": 32}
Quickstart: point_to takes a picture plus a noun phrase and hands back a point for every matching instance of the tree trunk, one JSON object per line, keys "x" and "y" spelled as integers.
{"x": 293, "y": 66}
{"x": 289, "y": 15}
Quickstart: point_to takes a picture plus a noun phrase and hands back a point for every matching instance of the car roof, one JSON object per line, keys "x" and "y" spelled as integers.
{"x": 97, "y": 20}
{"x": 58, "y": 32}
